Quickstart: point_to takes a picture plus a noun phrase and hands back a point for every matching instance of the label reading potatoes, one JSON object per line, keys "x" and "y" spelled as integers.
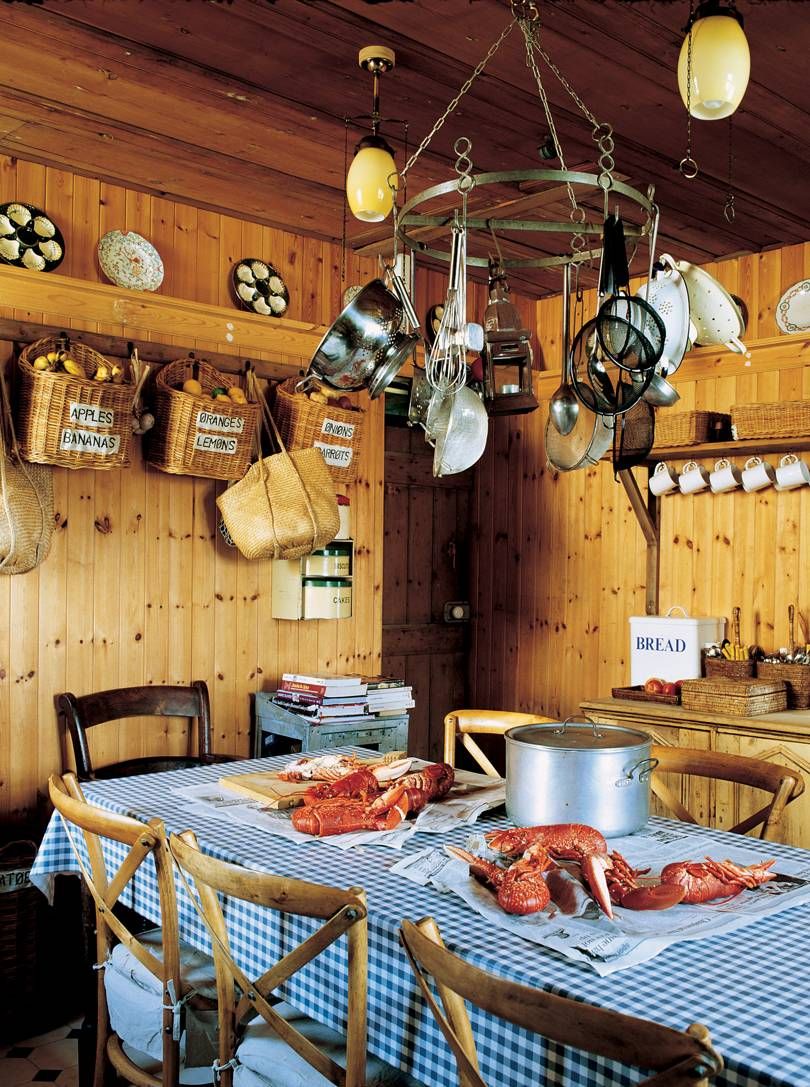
{"x": 90, "y": 415}
{"x": 88, "y": 441}
{"x": 334, "y": 429}
{"x": 210, "y": 443}
{"x": 213, "y": 420}
{"x": 336, "y": 456}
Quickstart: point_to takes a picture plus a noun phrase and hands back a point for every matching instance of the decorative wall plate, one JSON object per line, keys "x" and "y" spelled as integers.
{"x": 259, "y": 288}
{"x": 130, "y": 261}
{"x": 29, "y": 238}
{"x": 793, "y": 310}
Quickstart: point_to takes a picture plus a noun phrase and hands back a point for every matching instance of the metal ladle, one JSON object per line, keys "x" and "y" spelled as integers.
{"x": 564, "y": 406}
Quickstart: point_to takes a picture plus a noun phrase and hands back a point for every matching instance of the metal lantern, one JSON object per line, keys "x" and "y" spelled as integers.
{"x": 507, "y": 351}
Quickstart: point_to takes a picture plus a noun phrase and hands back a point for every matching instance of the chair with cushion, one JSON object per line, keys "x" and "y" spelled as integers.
{"x": 155, "y": 996}
{"x": 783, "y": 784}
{"x": 281, "y": 1047}
{"x": 79, "y": 715}
{"x": 464, "y": 724}
{"x": 676, "y": 1058}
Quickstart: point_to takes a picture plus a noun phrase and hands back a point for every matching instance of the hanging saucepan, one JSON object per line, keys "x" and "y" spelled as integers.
{"x": 364, "y": 347}
{"x": 600, "y": 385}
{"x": 585, "y": 444}
{"x": 629, "y": 330}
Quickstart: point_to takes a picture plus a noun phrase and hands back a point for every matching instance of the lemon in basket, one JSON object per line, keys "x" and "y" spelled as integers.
{"x": 192, "y": 387}
{"x": 236, "y": 395}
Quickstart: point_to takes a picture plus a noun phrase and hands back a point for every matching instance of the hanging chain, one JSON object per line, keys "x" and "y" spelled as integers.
{"x": 687, "y": 165}
{"x": 343, "y": 237}
{"x": 451, "y": 107}
{"x": 729, "y": 210}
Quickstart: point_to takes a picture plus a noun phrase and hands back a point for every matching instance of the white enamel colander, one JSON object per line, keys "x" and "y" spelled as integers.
{"x": 714, "y": 313}
{"x": 668, "y": 296}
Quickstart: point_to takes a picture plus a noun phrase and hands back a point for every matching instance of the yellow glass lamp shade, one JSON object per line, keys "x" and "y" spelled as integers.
{"x": 721, "y": 65}
{"x": 367, "y": 182}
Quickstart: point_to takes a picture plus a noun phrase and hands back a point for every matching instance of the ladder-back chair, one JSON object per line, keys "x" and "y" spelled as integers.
{"x": 783, "y": 784}
{"x": 80, "y": 715}
{"x": 283, "y": 1045}
{"x": 677, "y": 1059}
{"x": 156, "y": 952}
{"x": 463, "y": 725}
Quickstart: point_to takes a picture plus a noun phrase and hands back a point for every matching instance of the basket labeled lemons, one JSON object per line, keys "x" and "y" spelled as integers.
{"x": 75, "y": 406}
{"x": 205, "y": 425}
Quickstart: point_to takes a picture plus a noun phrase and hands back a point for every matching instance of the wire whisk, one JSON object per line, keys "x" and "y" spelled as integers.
{"x": 446, "y": 367}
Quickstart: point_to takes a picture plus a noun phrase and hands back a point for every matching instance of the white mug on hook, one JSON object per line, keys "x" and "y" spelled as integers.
{"x": 664, "y": 479}
{"x": 757, "y": 474}
{"x": 694, "y": 477}
{"x": 725, "y": 477}
{"x": 791, "y": 473}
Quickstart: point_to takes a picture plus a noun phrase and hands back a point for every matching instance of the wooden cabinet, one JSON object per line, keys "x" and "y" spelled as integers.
{"x": 782, "y": 738}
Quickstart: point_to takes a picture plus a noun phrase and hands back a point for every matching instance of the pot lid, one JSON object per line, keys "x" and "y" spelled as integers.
{"x": 577, "y": 736}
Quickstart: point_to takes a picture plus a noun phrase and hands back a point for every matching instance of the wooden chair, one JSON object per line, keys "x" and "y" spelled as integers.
{"x": 784, "y": 785}
{"x": 283, "y": 1045}
{"x": 79, "y": 715}
{"x": 157, "y": 952}
{"x": 464, "y": 724}
{"x": 677, "y": 1058}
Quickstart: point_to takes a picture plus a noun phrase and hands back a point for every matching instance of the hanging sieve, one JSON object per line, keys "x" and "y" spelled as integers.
{"x": 598, "y": 382}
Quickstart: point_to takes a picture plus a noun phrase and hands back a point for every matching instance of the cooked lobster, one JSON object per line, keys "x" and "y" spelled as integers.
{"x": 690, "y": 882}
{"x": 357, "y": 801}
{"x": 521, "y": 888}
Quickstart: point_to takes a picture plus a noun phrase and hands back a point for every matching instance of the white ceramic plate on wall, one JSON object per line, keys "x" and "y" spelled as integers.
{"x": 130, "y": 261}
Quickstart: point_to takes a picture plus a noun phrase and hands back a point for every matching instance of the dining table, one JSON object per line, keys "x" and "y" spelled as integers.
{"x": 750, "y": 986}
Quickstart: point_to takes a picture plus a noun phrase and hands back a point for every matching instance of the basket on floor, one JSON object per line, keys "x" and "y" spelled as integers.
{"x": 337, "y": 432}
{"x": 795, "y": 676}
{"x": 690, "y": 427}
{"x": 198, "y": 435}
{"x": 787, "y": 419}
{"x": 70, "y": 421}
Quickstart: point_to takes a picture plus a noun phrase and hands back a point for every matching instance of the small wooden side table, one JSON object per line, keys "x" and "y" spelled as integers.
{"x": 269, "y": 721}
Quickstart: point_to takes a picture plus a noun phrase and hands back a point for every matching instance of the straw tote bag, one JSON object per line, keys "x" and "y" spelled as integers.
{"x": 285, "y": 505}
{"x": 26, "y": 500}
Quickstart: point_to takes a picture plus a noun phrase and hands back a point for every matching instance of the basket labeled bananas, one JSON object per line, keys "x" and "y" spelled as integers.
{"x": 55, "y": 362}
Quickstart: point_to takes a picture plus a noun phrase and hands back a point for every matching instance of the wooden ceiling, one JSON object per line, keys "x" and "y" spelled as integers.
{"x": 240, "y": 106}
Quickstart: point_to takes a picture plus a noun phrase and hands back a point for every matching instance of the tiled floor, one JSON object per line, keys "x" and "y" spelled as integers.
{"x": 44, "y": 1058}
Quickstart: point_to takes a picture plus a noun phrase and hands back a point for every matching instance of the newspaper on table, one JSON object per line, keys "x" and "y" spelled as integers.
{"x": 573, "y": 925}
{"x": 471, "y": 795}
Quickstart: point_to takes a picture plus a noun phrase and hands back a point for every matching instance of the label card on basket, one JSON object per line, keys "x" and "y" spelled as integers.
{"x": 89, "y": 441}
{"x": 336, "y": 456}
{"x": 210, "y": 443}
{"x": 212, "y": 420}
{"x": 90, "y": 415}
{"x": 334, "y": 429}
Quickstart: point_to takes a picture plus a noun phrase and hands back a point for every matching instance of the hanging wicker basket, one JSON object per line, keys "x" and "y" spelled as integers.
{"x": 198, "y": 435}
{"x": 71, "y": 421}
{"x": 304, "y": 423}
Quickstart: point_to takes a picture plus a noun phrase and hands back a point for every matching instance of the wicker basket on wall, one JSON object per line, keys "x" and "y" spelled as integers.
{"x": 337, "y": 432}
{"x": 69, "y": 421}
{"x": 197, "y": 435}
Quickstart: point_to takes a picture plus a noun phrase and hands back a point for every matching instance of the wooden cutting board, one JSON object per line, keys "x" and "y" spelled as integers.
{"x": 268, "y": 788}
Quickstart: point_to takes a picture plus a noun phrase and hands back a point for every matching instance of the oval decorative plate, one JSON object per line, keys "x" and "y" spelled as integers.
{"x": 29, "y": 238}
{"x": 793, "y": 310}
{"x": 259, "y": 288}
{"x": 129, "y": 260}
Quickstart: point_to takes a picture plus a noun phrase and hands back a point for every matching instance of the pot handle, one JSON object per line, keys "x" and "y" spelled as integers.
{"x": 645, "y": 768}
{"x": 584, "y": 720}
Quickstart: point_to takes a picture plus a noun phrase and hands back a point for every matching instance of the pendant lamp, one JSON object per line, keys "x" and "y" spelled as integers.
{"x": 373, "y": 170}
{"x": 715, "y": 62}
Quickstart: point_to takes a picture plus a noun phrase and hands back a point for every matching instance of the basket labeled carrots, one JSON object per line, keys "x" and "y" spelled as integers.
{"x": 325, "y": 419}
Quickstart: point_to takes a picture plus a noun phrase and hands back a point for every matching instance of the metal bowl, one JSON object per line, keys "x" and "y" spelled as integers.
{"x": 364, "y": 347}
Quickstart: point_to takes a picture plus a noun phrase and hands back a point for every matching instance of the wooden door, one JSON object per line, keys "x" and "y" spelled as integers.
{"x": 425, "y": 566}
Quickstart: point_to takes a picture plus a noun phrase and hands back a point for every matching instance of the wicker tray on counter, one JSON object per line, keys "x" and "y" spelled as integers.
{"x": 640, "y": 695}
{"x": 734, "y": 697}
{"x": 786, "y": 419}
{"x": 690, "y": 427}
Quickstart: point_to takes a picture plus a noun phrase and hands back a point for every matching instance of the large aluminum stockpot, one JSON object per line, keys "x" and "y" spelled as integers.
{"x": 579, "y": 773}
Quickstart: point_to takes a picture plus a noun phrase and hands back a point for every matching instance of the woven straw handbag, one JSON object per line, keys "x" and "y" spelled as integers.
{"x": 26, "y": 500}
{"x": 285, "y": 505}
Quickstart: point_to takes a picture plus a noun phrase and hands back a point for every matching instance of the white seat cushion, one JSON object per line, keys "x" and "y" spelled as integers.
{"x": 266, "y": 1061}
{"x": 134, "y": 1001}
{"x": 189, "y": 1076}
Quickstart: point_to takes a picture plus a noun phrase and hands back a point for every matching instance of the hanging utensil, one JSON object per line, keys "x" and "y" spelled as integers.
{"x": 597, "y": 388}
{"x": 564, "y": 406}
{"x": 629, "y": 329}
{"x": 446, "y": 366}
{"x": 633, "y": 436}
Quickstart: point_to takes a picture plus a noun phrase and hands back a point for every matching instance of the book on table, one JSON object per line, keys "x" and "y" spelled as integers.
{"x": 324, "y": 686}
{"x": 320, "y": 712}
{"x": 307, "y": 698}
{"x": 380, "y": 683}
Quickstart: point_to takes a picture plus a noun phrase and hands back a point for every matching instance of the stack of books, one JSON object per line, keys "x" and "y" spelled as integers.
{"x": 320, "y": 697}
{"x": 387, "y": 696}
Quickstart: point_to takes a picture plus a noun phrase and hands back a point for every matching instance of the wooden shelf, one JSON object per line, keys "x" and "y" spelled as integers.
{"x": 745, "y": 447}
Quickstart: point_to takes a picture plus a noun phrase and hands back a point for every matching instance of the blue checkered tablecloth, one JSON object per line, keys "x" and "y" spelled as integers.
{"x": 751, "y": 987}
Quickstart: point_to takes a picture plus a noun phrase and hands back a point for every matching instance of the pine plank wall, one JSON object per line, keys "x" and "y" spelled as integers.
{"x": 559, "y": 560}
